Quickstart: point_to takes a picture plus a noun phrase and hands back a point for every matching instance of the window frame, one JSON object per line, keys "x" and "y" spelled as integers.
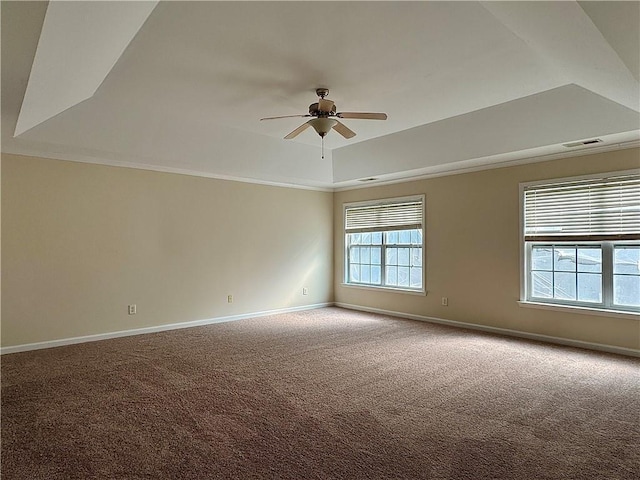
{"x": 607, "y": 245}
{"x": 345, "y": 264}
{"x": 607, "y": 274}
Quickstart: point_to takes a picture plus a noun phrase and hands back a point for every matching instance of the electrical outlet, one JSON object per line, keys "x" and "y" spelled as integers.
{"x": 305, "y": 291}
{"x": 229, "y": 298}
{"x": 132, "y": 309}
{"x": 445, "y": 302}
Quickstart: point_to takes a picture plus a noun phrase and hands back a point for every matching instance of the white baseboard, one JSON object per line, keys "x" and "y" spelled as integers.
{"x": 159, "y": 328}
{"x": 500, "y": 331}
{"x": 209, "y": 321}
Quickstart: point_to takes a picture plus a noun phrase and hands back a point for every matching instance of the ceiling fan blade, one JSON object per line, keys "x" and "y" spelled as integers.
{"x": 284, "y": 116}
{"x": 343, "y": 130}
{"x": 325, "y": 105}
{"x": 298, "y": 130}
{"x": 362, "y": 115}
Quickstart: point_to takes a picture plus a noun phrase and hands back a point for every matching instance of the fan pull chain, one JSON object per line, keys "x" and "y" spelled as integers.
{"x": 322, "y": 142}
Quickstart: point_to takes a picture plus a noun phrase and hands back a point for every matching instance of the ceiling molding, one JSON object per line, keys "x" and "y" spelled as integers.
{"x": 454, "y": 169}
{"x": 160, "y": 169}
{"x": 461, "y": 169}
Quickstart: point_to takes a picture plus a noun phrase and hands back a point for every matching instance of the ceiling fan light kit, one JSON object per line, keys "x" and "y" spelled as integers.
{"x": 325, "y": 113}
{"x": 323, "y": 125}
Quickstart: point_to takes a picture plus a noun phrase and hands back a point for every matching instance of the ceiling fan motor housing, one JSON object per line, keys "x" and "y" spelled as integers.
{"x": 314, "y": 110}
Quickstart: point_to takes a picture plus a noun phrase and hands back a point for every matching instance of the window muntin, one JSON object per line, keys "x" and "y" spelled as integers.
{"x": 384, "y": 244}
{"x": 582, "y": 242}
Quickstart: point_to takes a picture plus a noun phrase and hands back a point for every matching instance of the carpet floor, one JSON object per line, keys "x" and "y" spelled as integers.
{"x": 320, "y": 394}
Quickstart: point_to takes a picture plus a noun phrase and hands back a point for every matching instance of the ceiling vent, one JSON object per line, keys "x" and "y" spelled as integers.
{"x": 582, "y": 143}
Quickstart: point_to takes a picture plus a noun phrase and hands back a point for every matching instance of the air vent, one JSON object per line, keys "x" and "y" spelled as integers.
{"x": 582, "y": 143}
{"x": 370, "y": 179}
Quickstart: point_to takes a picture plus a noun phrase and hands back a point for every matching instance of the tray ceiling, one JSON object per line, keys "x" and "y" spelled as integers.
{"x": 180, "y": 86}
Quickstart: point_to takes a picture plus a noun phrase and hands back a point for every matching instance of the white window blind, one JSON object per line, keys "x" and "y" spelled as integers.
{"x": 401, "y": 215}
{"x": 583, "y": 210}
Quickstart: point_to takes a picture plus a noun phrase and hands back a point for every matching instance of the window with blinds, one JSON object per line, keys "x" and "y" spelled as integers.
{"x": 602, "y": 207}
{"x": 582, "y": 241}
{"x": 384, "y": 244}
{"x": 404, "y": 215}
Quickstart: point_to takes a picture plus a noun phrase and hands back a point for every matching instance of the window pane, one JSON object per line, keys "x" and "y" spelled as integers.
{"x": 366, "y": 239}
{"x": 416, "y": 236}
{"x": 416, "y": 277}
{"x": 542, "y": 258}
{"x": 416, "y": 257}
{"x": 355, "y": 254}
{"x": 404, "y": 236}
{"x": 392, "y": 276}
{"x": 376, "y": 275}
{"x": 375, "y": 255}
{"x": 590, "y": 287}
{"x": 365, "y": 273}
{"x": 565, "y": 259}
{"x": 365, "y": 254}
{"x": 589, "y": 260}
{"x": 564, "y": 286}
{"x": 392, "y": 238}
{"x": 354, "y": 273}
{"x": 392, "y": 256}
{"x": 542, "y": 284}
{"x": 355, "y": 238}
{"x": 626, "y": 281}
{"x": 403, "y": 276}
{"x": 626, "y": 290}
{"x": 376, "y": 238}
{"x": 626, "y": 259}
{"x": 403, "y": 256}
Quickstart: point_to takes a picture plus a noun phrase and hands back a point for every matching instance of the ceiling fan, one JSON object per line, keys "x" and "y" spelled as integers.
{"x": 324, "y": 113}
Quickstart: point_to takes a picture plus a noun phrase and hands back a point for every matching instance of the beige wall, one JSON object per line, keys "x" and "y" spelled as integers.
{"x": 80, "y": 242}
{"x": 473, "y": 252}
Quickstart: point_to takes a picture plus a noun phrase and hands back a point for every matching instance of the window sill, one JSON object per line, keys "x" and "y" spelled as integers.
{"x": 386, "y": 289}
{"x": 581, "y": 310}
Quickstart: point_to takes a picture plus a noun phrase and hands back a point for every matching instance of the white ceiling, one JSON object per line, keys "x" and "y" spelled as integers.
{"x": 181, "y": 86}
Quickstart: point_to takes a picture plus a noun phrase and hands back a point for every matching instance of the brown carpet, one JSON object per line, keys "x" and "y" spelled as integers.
{"x": 321, "y": 394}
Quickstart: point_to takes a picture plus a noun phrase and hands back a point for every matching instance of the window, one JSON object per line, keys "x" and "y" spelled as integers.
{"x": 582, "y": 242}
{"x": 385, "y": 244}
